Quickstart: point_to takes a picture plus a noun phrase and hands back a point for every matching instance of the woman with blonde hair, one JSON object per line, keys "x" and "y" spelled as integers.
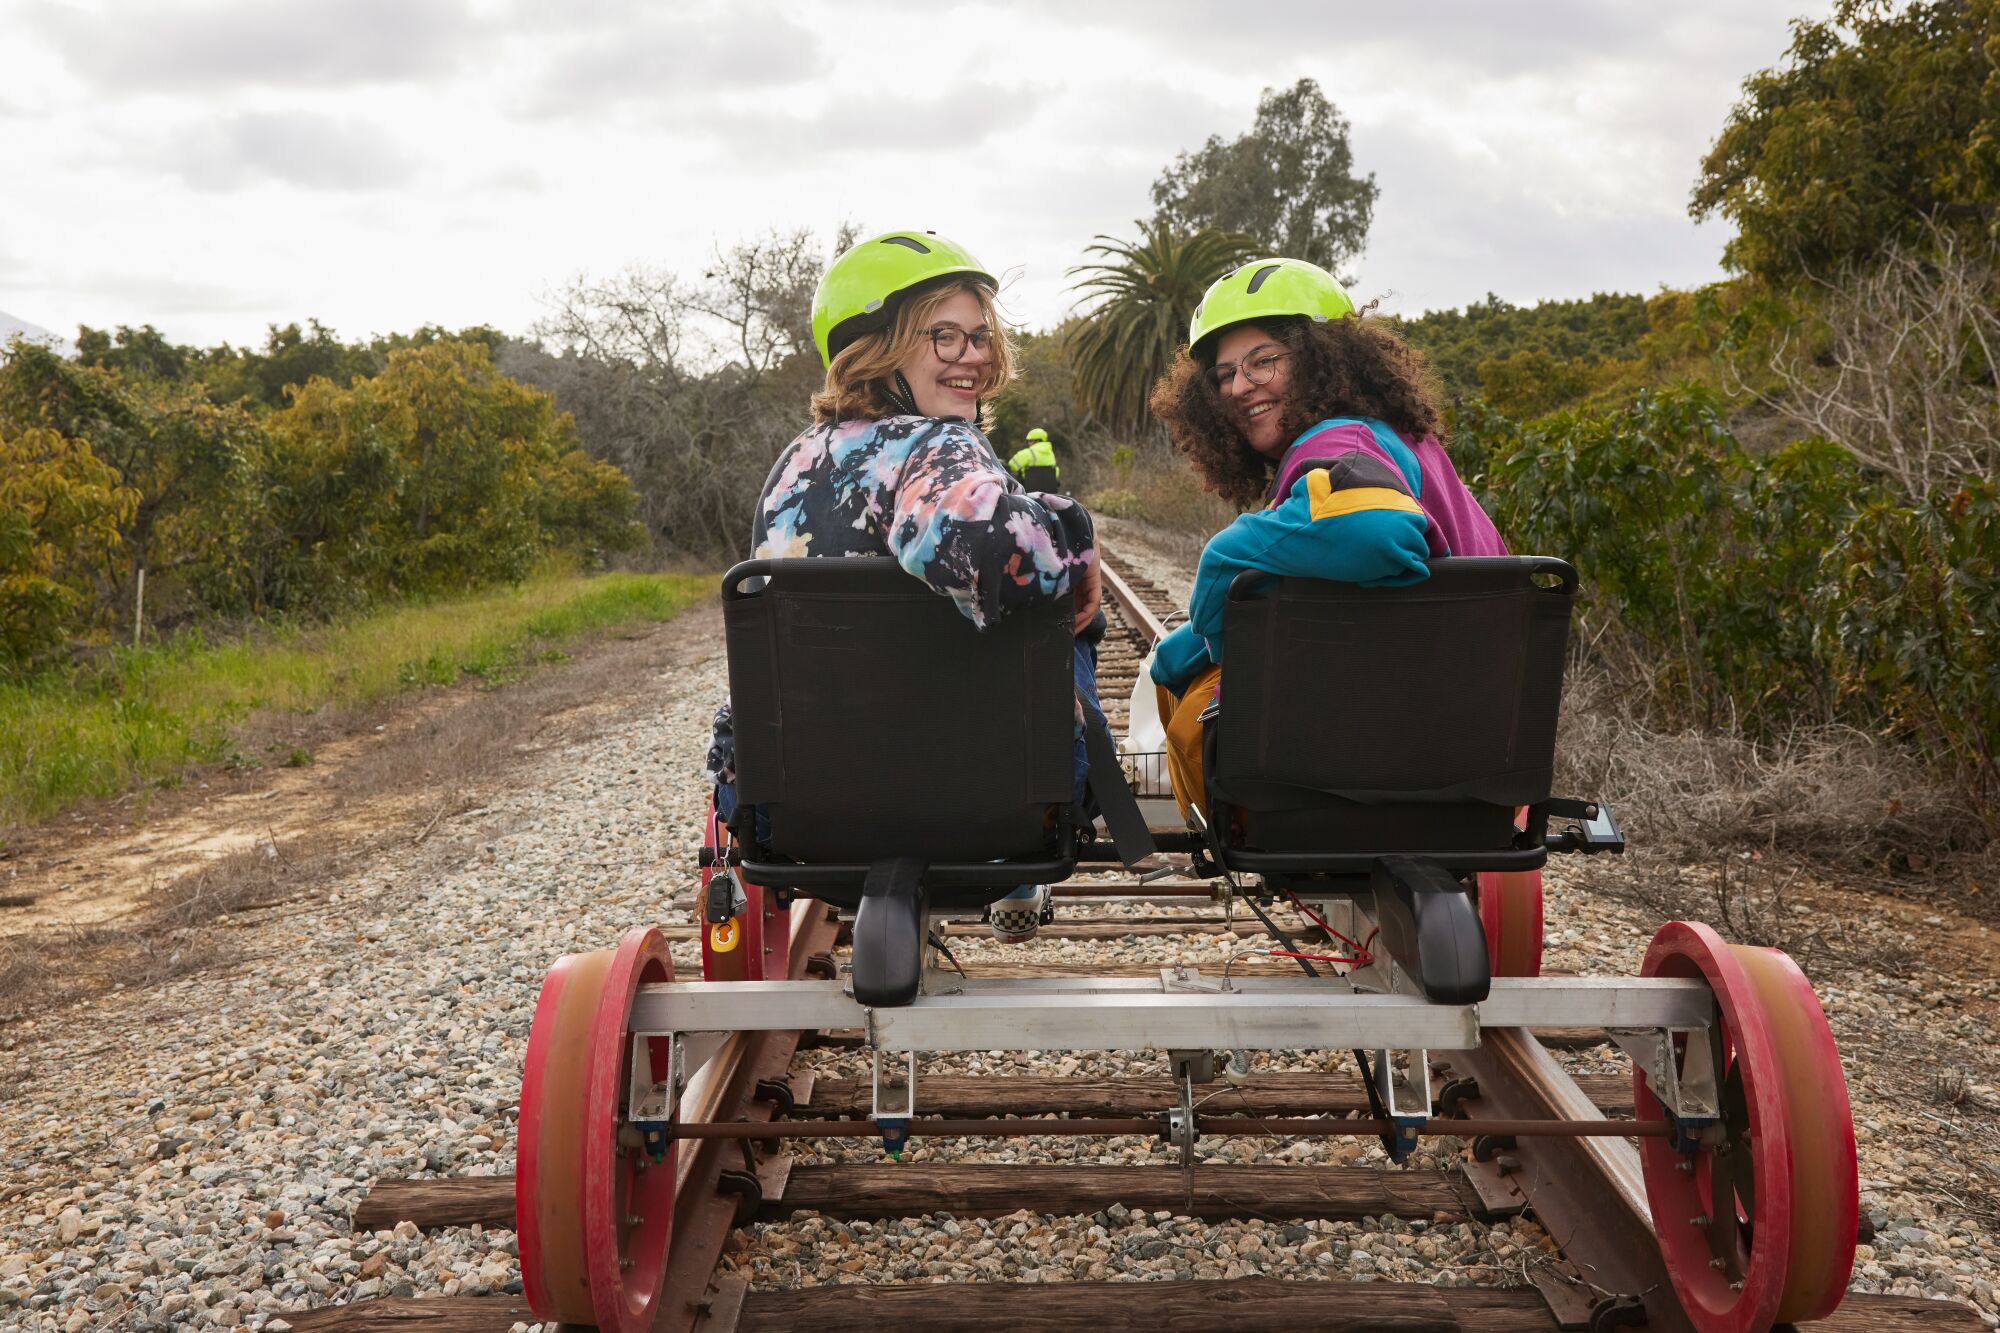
{"x": 895, "y": 462}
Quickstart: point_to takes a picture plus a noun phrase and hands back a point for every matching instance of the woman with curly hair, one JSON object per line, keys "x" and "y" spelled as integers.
{"x": 1324, "y": 425}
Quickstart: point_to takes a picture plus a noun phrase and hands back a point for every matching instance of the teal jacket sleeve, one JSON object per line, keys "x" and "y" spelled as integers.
{"x": 1179, "y": 658}
{"x": 1353, "y": 520}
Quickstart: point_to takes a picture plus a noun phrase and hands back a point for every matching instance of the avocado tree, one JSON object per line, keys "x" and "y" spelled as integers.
{"x": 1882, "y": 126}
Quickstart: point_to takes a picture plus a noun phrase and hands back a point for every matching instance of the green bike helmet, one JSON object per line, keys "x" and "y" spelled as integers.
{"x": 859, "y": 292}
{"x": 1267, "y": 287}
{"x": 1038, "y": 436}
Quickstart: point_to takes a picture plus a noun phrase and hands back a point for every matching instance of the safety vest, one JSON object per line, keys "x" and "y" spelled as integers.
{"x": 1039, "y": 454}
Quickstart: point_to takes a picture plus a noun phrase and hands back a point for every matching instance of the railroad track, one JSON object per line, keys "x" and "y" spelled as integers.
{"x": 1583, "y": 1187}
{"x": 1134, "y": 608}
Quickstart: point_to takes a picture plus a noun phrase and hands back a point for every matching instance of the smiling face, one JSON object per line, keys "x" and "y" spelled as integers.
{"x": 950, "y": 388}
{"x": 1244, "y": 353}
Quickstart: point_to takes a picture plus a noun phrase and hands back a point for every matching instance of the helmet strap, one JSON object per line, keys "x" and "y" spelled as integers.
{"x": 901, "y": 396}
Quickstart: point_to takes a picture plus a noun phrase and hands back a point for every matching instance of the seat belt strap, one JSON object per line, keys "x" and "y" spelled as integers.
{"x": 1114, "y": 798}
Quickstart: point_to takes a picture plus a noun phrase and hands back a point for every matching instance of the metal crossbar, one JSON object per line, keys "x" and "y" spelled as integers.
{"x": 1143, "y": 1013}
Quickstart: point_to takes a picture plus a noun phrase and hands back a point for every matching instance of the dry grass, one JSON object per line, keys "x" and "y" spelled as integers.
{"x": 1837, "y": 795}
{"x": 1751, "y": 900}
{"x": 1734, "y": 832}
{"x": 1164, "y": 494}
{"x": 172, "y": 936}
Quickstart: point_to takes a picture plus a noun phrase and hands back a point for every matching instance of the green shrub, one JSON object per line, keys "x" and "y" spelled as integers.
{"x": 1115, "y": 502}
{"x": 60, "y": 510}
{"x": 1640, "y": 502}
{"x": 1910, "y": 620}
{"x": 1755, "y": 593}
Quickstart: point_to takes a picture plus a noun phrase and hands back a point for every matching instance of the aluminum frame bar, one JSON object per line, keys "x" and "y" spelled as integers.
{"x": 1139, "y": 1013}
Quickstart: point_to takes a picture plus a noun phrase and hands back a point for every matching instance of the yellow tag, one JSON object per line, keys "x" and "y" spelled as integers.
{"x": 723, "y": 936}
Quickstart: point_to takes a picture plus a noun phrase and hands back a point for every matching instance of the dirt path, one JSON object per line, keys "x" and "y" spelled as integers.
{"x": 129, "y": 876}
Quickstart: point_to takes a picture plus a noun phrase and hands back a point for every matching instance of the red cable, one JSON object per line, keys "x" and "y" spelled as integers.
{"x": 1321, "y": 957}
{"x": 1359, "y": 946}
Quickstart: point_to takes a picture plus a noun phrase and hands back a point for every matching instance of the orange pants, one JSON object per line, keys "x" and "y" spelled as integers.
{"x": 1183, "y": 719}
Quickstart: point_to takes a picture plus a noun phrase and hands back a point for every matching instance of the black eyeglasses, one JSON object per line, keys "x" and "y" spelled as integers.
{"x": 1258, "y": 370}
{"x": 950, "y": 341}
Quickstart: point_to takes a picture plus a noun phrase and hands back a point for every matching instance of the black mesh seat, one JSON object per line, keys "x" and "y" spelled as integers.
{"x": 1361, "y": 723}
{"x": 874, "y": 723}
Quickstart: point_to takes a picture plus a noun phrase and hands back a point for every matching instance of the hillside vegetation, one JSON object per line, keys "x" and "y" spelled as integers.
{"x": 435, "y": 475}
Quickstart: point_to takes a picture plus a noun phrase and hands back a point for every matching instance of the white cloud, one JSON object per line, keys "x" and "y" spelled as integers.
{"x": 297, "y": 148}
{"x": 679, "y": 61}
{"x": 835, "y": 131}
{"x": 213, "y": 45}
{"x": 385, "y": 163}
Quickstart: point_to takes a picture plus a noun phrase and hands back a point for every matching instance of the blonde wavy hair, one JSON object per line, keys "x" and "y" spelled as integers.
{"x": 853, "y": 389}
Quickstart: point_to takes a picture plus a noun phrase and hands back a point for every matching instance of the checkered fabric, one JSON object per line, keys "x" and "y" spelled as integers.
{"x": 1017, "y": 919}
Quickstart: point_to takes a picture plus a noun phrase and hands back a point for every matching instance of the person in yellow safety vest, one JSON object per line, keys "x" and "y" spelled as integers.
{"x": 1036, "y": 466}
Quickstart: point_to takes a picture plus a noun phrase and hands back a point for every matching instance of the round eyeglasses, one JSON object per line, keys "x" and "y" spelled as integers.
{"x": 1257, "y": 369}
{"x": 950, "y": 341}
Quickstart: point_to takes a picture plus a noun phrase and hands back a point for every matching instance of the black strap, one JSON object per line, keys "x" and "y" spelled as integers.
{"x": 1114, "y": 799}
{"x": 901, "y": 397}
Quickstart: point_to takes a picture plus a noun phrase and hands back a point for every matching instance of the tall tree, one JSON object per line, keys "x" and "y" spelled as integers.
{"x": 1881, "y": 126}
{"x": 143, "y": 352}
{"x": 1289, "y": 182}
{"x": 1144, "y": 293}
{"x": 292, "y": 356}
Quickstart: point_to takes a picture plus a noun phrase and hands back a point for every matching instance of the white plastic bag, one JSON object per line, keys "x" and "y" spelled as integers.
{"x": 1145, "y": 731}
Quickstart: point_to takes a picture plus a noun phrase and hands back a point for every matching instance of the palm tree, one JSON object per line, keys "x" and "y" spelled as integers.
{"x": 1144, "y": 293}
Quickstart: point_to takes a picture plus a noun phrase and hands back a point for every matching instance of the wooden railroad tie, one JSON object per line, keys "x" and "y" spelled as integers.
{"x": 1110, "y": 1307}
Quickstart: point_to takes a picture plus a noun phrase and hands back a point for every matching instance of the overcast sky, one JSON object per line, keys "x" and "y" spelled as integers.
{"x": 211, "y": 166}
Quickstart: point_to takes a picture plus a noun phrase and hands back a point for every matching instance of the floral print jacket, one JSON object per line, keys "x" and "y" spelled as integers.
{"x": 931, "y": 492}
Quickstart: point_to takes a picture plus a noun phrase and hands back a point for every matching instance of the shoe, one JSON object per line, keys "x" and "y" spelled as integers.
{"x": 1018, "y": 916}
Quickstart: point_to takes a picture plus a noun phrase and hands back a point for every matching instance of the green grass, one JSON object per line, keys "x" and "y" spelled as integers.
{"x": 147, "y": 714}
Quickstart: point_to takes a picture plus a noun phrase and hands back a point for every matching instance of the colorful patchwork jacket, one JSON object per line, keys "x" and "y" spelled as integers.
{"x": 931, "y": 492}
{"x": 1352, "y": 501}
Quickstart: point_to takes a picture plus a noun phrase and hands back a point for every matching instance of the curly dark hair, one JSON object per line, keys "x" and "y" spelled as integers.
{"x": 1342, "y": 367}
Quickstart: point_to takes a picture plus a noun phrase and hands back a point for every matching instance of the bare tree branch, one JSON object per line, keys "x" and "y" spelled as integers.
{"x": 1897, "y": 366}
{"x": 690, "y": 387}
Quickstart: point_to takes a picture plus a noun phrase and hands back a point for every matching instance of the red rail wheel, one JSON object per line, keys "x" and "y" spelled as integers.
{"x": 593, "y": 1212}
{"x": 1757, "y": 1225}
{"x": 1510, "y": 907}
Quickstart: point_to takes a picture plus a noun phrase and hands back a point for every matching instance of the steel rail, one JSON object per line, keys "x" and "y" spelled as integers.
{"x": 1135, "y": 611}
{"x": 1588, "y": 1193}
{"x": 725, "y": 1087}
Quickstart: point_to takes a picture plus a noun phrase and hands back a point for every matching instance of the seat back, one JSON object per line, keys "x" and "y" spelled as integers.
{"x": 1392, "y": 720}
{"x": 874, "y": 721}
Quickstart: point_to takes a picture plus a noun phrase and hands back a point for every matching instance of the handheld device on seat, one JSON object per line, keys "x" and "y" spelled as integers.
{"x": 906, "y": 762}
{"x": 1381, "y": 740}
